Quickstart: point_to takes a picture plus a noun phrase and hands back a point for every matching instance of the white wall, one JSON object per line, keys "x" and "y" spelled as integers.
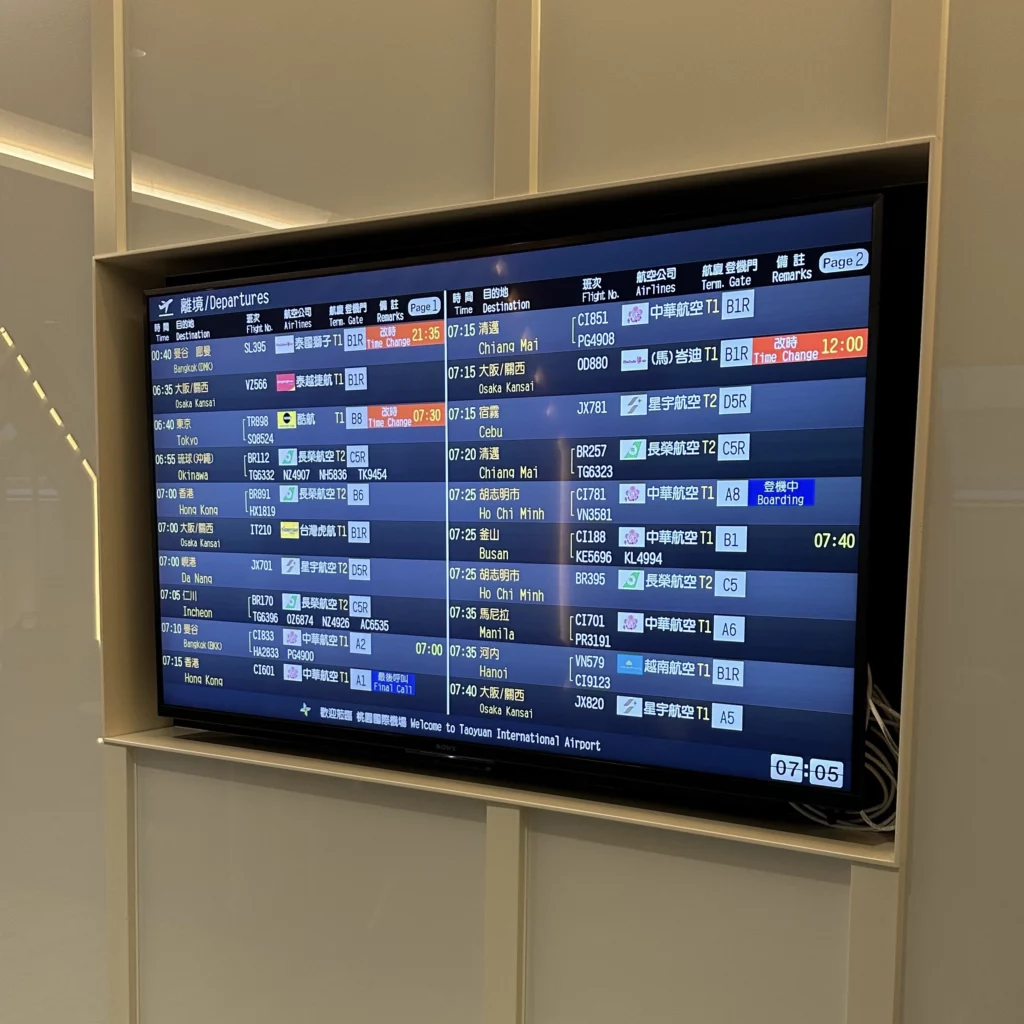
{"x": 52, "y": 894}
{"x": 620, "y": 922}
{"x": 649, "y": 87}
{"x": 633, "y": 924}
{"x": 348, "y": 108}
{"x": 269, "y": 896}
{"x": 618, "y": 919}
{"x": 965, "y": 906}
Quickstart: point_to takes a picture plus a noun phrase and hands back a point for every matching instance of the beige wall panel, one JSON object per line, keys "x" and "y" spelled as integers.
{"x": 630, "y": 925}
{"x": 916, "y": 68}
{"x": 44, "y": 62}
{"x": 656, "y": 86}
{"x": 351, "y": 109}
{"x": 516, "y": 95}
{"x": 52, "y": 910}
{"x": 268, "y": 897}
{"x": 965, "y": 891}
{"x": 46, "y": 293}
{"x": 152, "y": 227}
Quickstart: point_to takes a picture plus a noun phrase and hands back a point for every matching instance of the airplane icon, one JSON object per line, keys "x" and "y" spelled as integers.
{"x": 165, "y": 306}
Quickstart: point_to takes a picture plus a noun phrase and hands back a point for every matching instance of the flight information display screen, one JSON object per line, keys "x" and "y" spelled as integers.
{"x": 601, "y": 501}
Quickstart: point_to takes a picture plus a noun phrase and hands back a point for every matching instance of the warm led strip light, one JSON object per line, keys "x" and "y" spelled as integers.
{"x": 67, "y": 156}
{"x": 56, "y": 163}
{"x": 196, "y": 202}
{"x": 73, "y": 445}
{"x": 148, "y": 188}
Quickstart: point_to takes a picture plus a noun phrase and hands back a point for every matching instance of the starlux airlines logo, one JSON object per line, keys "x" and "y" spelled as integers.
{"x": 631, "y": 707}
{"x": 633, "y": 405}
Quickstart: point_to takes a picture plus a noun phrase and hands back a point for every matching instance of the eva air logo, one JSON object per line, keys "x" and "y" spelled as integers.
{"x": 633, "y": 449}
{"x": 631, "y": 579}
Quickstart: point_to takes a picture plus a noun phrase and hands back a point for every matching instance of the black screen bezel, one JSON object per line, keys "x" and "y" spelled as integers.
{"x": 528, "y": 767}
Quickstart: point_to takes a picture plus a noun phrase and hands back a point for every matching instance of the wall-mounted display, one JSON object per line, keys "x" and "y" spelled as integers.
{"x": 601, "y": 505}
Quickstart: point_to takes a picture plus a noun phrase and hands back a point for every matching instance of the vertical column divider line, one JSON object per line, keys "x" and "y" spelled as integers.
{"x": 447, "y": 530}
{"x": 121, "y": 840}
{"x": 873, "y": 957}
{"x": 517, "y": 75}
{"x": 505, "y": 908}
{"x": 535, "y": 14}
{"x": 134, "y": 894}
{"x": 111, "y": 194}
{"x": 111, "y": 153}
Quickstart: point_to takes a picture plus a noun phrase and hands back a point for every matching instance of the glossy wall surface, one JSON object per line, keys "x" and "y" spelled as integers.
{"x": 36, "y": 39}
{"x": 651, "y": 87}
{"x": 619, "y": 921}
{"x": 625, "y": 924}
{"x": 352, "y": 897}
{"x": 307, "y": 112}
{"x": 52, "y": 894}
{"x": 300, "y": 885}
{"x": 965, "y": 896}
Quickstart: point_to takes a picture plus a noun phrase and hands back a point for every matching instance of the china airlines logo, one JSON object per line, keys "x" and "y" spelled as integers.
{"x": 631, "y": 622}
{"x": 631, "y": 536}
{"x": 635, "y": 313}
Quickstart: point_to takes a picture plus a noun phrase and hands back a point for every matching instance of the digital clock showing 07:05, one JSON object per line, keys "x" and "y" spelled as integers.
{"x": 816, "y": 771}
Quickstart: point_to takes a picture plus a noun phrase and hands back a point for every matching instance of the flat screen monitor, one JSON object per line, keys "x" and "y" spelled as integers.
{"x": 592, "y": 506}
